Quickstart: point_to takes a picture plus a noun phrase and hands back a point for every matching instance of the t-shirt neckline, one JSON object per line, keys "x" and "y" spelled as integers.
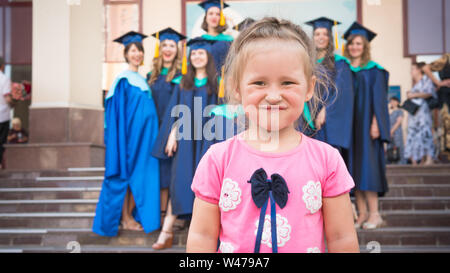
{"x": 295, "y": 150}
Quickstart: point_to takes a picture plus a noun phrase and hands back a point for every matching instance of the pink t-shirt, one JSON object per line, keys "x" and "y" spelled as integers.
{"x": 312, "y": 170}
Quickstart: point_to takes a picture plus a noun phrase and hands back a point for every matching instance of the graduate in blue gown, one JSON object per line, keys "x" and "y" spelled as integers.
{"x": 334, "y": 123}
{"x": 130, "y": 190}
{"x": 166, "y": 67}
{"x": 214, "y": 23}
{"x": 181, "y": 135}
{"x": 370, "y": 126}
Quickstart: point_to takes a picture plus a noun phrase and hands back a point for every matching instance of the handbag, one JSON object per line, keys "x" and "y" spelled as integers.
{"x": 393, "y": 154}
{"x": 433, "y": 103}
{"x": 410, "y": 106}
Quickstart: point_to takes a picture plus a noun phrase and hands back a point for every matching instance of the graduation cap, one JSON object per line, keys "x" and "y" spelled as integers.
{"x": 200, "y": 43}
{"x": 130, "y": 37}
{"x": 245, "y": 24}
{"x": 206, "y": 5}
{"x": 358, "y": 29}
{"x": 167, "y": 34}
{"x": 323, "y": 22}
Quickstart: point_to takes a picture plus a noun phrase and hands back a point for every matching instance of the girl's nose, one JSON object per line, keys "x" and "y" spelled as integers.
{"x": 273, "y": 97}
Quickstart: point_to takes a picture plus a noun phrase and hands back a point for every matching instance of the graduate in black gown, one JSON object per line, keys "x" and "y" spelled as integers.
{"x": 334, "y": 122}
{"x": 182, "y": 135}
{"x": 214, "y": 23}
{"x": 370, "y": 126}
{"x": 166, "y": 67}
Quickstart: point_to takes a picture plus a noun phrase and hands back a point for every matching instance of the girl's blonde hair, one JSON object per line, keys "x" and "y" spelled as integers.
{"x": 158, "y": 66}
{"x": 440, "y": 63}
{"x": 279, "y": 29}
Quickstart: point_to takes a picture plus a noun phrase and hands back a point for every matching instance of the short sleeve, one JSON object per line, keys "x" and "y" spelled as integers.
{"x": 338, "y": 180}
{"x": 207, "y": 182}
{"x": 5, "y": 86}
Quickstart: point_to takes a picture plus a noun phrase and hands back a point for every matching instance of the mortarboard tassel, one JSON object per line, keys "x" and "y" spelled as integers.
{"x": 343, "y": 48}
{"x": 184, "y": 61}
{"x": 157, "y": 45}
{"x": 222, "y": 85}
{"x": 222, "y": 17}
{"x": 336, "y": 35}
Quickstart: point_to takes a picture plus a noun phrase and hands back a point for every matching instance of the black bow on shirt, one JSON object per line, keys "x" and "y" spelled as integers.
{"x": 261, "y": 188}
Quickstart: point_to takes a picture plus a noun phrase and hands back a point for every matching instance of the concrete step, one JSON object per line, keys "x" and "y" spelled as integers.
{"x": 422, "y": 190}
{"x": 90, "y": 249}
{"x": 406, "y": 236}
{"x": 65, "y": 205}
{"x": 407, "y": 249}
{"x": 416, "y": 218}
{"x": 32, "y": 174}
{"x": 418, "y": 178}
{"x": 47, "y": 220}
{"x": 41, "y": 193}
{"x": 409, "y": 169}
{"x": 396, "y": 218}
{"x": 89, "y": 205}
{"x": 33, "y": 183}
{"x": 413, "y": 203}
{"x": 61, "y": 237}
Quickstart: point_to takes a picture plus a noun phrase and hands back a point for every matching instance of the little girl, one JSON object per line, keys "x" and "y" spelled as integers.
{"x": 270, "y": 70}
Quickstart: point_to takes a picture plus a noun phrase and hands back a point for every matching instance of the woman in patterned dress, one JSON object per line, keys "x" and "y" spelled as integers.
{"x": 419, "y": 143}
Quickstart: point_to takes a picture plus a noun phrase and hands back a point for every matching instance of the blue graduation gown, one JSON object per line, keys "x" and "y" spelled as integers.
{"x": 191, "y": 147}
{"x": 219, "y": 49}
{"x": 161, "y": 93}
{"x": 337, "y": 129}
{"x": 367, "y": 164}
{"x": 131, "y": 126}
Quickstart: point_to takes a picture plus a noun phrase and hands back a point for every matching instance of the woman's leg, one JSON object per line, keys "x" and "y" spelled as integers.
{"x": 128, "y": 222}
{"x": 362, "y": 208}
{"x": 164, "y": 199}
{"x": 166, "y": 231}
{"x": 375, "y": 219}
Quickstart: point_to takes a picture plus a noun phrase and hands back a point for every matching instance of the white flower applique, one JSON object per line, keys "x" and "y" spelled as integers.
{"x": 226, "y": 247}
{"x": 283, "y": 231}
{"x": 312, "y": 196}
{"x": 230, "y": 195}
{"x": 313, "y": 250}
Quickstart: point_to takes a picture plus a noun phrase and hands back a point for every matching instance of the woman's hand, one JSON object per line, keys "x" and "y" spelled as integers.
{"x": 171, "y": 146}
{"x": 410, "y": 95}
{"x": 445, "y": 83}
{"x": 374, "y": 130}
{"x": 320, "y": 119}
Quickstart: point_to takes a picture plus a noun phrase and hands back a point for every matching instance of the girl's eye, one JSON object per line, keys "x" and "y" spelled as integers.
{"x": 287, "y": 83}
{"x": 259, "y": 83}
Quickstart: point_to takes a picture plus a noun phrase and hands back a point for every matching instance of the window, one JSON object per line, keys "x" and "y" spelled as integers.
{"x": 121, "y": 16}
{"x": 427, "y": 27}
{"x": 16, "y": 31}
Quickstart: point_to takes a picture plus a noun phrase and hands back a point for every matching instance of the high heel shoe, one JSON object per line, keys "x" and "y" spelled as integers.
{"x": 379, "y": 223}
{"x": 167, "y": 243}
{"x": 359, "y": 225}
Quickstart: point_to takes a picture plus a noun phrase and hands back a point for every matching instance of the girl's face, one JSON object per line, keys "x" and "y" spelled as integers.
{"x": 17, "y": 126}
{"x": 356, "y": 47}
{"x": 394, "y": 104}
{"x": 213, "y": 17}
{"x": 199, "y": 58}
{"x": 168, "y": 50}
{"x": 321, "y": 38}
{"x": 274, "y": 85}
{"x": 134, "y": 56}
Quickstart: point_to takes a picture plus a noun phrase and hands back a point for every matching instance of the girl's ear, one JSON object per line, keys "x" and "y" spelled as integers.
{"x": 237, "y": 95}
{"x": 311, "y": 88}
